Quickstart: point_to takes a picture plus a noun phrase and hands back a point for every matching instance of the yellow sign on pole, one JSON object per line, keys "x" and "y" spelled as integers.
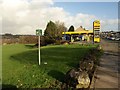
{"x": 96, "y": 30}
{"x": 96, "y": 25}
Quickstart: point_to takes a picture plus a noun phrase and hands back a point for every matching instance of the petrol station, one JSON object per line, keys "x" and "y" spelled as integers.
{"x": 81, "y": 34}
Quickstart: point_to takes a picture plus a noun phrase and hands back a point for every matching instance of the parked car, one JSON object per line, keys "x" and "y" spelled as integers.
{"x": 112, "y": 38}
{"x": 117, "y": 39}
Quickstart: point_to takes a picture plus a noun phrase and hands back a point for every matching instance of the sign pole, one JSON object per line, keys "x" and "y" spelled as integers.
{"x": 39, "y": 49}
{"x": 39, "y": 33}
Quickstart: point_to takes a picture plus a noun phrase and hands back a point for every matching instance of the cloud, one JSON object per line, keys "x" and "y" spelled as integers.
{"x": 25, "y": 16}
{"x": 0, "y": 24}
{"x": 109, "y": 24}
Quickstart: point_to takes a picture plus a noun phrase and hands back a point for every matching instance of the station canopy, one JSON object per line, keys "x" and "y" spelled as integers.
{"x": 79, "y": 30}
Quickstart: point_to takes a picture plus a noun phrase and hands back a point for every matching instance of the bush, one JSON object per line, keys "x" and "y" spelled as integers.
{"x": 49, "y": 40}
{"x": 42, "y": 41}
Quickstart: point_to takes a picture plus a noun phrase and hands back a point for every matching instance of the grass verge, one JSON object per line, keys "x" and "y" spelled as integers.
{"x": 20, "y": 64}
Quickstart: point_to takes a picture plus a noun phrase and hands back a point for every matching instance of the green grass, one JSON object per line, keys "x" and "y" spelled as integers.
{"x": 20, "y": 64}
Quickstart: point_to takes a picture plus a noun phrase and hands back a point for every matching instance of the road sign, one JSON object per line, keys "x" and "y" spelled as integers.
{"x": 38, "y": 32}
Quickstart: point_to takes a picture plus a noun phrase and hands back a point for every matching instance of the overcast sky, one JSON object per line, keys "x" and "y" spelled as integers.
{"x": 25, "y": 16}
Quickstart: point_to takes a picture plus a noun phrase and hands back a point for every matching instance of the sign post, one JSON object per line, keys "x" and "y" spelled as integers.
{"x": 39, "y": 33}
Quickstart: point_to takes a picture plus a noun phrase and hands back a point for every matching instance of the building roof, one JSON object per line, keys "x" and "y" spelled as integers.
{"x": 80, "y": 29}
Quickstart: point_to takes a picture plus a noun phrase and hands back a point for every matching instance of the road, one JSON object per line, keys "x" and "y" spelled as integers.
{"x": 108, "y": 71}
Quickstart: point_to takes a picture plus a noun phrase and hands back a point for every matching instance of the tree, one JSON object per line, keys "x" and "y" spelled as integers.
{"x": 50, "y": 32}
{"x": 71, "y": 29}
{"x": 53, "y": 32}
{"x": 60, "y": 28}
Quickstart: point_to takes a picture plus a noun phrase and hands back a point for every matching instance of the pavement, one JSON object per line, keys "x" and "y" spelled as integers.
{"x": 108, "y": 72}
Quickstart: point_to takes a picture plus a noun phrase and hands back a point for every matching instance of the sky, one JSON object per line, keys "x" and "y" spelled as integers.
{"x": 100, "y": 9}
{"x": 25, "y": 16}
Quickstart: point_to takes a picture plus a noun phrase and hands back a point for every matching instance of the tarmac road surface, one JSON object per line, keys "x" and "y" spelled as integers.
{"x": 109, "y": 70}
